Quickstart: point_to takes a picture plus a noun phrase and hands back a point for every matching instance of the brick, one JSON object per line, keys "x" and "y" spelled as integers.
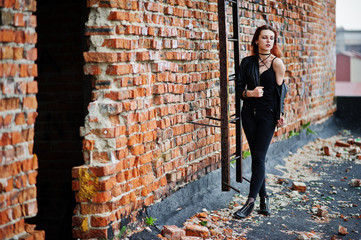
{"x": 327, "y": 150}
{"x": 20, "y": 119}
{"x": 19, "y": 20}
{"x": 172, "y": 232}
{"x": 32, "y": 87}
{"x": 30, "y": 209}
{"x": 122, "y": 4}
{"x": 137, "y": 150}
{"x": 197, "y": 231}
{"x": 100, "y": 57}
{"x": 355, "y": 183}
{"x": 7, "y": 52}
{"x": 31, "y": 54}
{"x": 5, "y": 216}
{"x": 102, "y": 197}
{"x": 353, "y": 151}
{"x": 340, "y": 143}
{"x": 32, "y": 21}
{"x": 342, "y": 230}
{"x": 299, "y": 186}
{"x": 101, "y": 221}
{"x": 31, "y": 116}
{"x": 92, "y": 70}
{"x": 108, "y": 184}
{"x": 88, "y": 144}
{"x": 9, "y": 104}
{"x": 7, "y": 18}
{"x": 119, "y": 69}
{"x": 7, "y": 120}
{"x": 322, "y": 212}
{"x": 30, "y": 102}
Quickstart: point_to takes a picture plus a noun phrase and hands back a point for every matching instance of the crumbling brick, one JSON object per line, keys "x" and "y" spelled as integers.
{"x": 355, "y": 183}
{"x": 322, "y": 212}
{"x": 342, "y": 230}
{"x": 173, "y": 232}
{"x": 197, "y": 231}
{"x": 340, "y": 143}
{"x": 327, "y": 150}
{"x": 299, "y": 186}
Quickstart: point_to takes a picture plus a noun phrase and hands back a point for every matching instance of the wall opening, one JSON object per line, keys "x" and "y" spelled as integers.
{"x": 62, "y": 100}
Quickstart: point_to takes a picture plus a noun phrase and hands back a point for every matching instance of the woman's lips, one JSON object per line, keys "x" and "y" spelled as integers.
{"x": 268, "y": 45}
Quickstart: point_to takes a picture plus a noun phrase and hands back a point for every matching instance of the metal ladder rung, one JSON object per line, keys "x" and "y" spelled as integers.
{"x": 233, "y": 39}
{"x": 213, "y": 118}
{"x": 232, "y": 1}
{"x": 232, "y": 77}
{"x": 235, "y": 189}
{"x": 246, "y": 179}
{"x": 234, "y": 120}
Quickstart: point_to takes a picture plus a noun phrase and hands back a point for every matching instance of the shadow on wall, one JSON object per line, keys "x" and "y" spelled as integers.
{"x": 61, "y": 109}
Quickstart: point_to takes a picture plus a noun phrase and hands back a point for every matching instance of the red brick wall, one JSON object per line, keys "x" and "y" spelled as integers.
{"x": 18, "y": 105}
{"x": 154, "y": 66}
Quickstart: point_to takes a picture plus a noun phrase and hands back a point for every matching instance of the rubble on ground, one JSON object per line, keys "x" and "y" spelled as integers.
{"x": 306, "y": 193}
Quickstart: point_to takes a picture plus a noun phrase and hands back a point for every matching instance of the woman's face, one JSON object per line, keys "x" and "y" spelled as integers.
{"x": 265, "y": 41}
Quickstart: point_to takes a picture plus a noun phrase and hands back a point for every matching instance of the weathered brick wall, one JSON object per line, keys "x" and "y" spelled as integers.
{"x": 155, "y": 66}
{"x": 18, "y": 104}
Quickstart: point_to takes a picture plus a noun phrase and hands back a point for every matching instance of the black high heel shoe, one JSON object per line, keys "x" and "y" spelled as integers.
{"x": 245, "y": 211}
{"x": 264, "y": 206}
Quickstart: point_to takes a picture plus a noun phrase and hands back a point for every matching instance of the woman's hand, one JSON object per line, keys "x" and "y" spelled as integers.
{"x": 281, "y": 122}
{"x": 257, "y": 92}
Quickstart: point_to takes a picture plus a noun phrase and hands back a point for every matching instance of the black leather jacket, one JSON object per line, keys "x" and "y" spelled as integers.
{"x": 249, "y": 79}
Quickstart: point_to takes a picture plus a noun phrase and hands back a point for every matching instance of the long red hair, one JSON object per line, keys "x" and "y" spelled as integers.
{"x": 275, "y": 50}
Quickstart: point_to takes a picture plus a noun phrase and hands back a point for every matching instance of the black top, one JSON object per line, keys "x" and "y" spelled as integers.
{"x": 268, "y": 82}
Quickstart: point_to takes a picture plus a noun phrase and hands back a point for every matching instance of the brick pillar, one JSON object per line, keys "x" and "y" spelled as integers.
{"x": 18, "y": 105}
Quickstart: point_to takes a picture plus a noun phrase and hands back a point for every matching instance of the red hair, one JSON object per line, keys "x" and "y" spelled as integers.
{"x": 275, "y": 50}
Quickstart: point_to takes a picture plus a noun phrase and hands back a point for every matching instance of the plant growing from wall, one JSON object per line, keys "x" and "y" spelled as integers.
{"x": 203, "y": 223}
{"x": 149, "y": 221}
{"x": 308, "y": 130}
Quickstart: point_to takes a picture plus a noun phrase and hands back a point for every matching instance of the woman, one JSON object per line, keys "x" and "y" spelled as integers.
{"x": 262, "y": 90}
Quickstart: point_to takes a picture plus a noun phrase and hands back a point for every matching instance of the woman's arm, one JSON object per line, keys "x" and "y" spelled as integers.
{"x": 280, "y": 70}
{"x": 241, "y": 81}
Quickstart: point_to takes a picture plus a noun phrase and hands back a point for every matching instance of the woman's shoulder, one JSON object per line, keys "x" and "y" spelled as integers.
{"x": 278, "y": 64}
{"x": 249, "y": 59}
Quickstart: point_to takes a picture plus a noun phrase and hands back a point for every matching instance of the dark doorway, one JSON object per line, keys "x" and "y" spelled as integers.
{"x": 62, "y": 98}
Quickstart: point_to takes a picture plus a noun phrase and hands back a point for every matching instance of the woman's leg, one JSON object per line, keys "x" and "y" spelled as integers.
{"x": 259, "y": 129}
{"x": 262, "y": 138}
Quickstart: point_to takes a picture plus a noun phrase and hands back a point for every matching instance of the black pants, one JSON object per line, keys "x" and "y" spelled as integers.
{"x": 259, "y": 127}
